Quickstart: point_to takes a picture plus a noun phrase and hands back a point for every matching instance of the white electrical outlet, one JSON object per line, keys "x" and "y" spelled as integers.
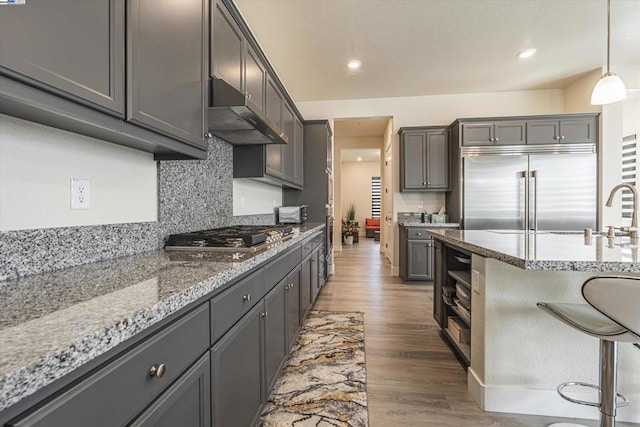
{"x": 80, "y": 194}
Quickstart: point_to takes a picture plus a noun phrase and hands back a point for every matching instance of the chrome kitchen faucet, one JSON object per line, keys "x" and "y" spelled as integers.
{"x": 633, "y": 229}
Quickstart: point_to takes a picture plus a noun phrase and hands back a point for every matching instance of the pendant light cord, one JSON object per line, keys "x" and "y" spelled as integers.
{"x": 608, "y": 35}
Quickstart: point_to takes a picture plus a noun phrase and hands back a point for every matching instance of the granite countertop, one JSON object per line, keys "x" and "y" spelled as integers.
{"x": 53, "y": 323}
{"x": 558, "y": 251}
{"x": 429, "y": 224}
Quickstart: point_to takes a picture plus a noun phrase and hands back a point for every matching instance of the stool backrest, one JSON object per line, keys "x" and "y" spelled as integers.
{"x": 616, "y": 297}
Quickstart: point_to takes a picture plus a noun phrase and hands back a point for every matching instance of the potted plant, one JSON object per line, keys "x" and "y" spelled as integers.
{"x": 350, "y": 226}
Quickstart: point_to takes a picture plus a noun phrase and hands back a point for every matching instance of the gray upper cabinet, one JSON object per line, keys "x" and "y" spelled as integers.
{"x": 227, "y": 47}
{"x": 298, "y": 140}
{"x": 166, "y": 75}
{"x": 69, "y": 48}
{"x": 564, "y": 131}
{"x": 532, "y": 130}
{"x": 288, "y": 150}
{"x": 424, "y": 158}
{"x": 255, "y": 78}
{"x": 493, "y": 133}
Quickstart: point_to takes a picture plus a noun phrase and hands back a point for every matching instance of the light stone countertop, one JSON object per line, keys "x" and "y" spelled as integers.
{"x": 429, "y": 224}
{"x": 544, "y": 250}
{"x": 53, "y": 323}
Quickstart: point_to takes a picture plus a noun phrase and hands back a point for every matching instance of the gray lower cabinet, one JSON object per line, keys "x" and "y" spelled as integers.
{"x": 127, "y": 381}
{"x": 275, "y": 331}
{"x": 420, "y": 259}
{"x": 293, "y": 306}
{"x": 424, "y": 159}
{"x": 438, "y": 283}
{"x": 166, "y": 74}
{"x": 305, "y": 287}
{"x": 70, "y": 48}
{"x": 236, "y": 370}
{"x": 187, "y": 403}
{"x": 416, "y": 254}
{"x": 315, "y": 273}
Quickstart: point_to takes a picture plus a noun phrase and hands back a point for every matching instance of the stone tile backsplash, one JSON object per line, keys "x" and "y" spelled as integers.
{"x": 192, "y": 195}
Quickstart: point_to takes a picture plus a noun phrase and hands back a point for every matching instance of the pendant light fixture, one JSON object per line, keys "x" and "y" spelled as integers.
{"x": 610, "y": 87}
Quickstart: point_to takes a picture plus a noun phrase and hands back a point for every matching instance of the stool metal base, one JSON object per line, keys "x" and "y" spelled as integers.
{"x": 566, "y": 425}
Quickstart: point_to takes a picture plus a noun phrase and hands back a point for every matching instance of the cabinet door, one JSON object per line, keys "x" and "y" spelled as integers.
{"x": 578, "y": 130}
{"x": 288, "y": 150}
{"x": 477, "y": 134}
{"x": 293, "y": 306}
{"x": 273, "y": 110}
{"x": 255, "y": 78}
{"x": 315, "y": 279}
{"x": 298, "y": 139}
{"x": 413, "y": 160}
{"x": 419, "y": 257}
{"x": 187, "y": 403}
{"x": 166, "y": 68}
{"x": 227, "y": 47}
{"x": 438, "y": 282}
{"x": 305, "y": 287}
{"x": 543, "y": 132}
{"x": 275, "y": 332}
{"x": 509, "y": 133}
{"x": 73, "y": 49}
{"x": 437, "y": 160}
{"x": 236, "y": 373}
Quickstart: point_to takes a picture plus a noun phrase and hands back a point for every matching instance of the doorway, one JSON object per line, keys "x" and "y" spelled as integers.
{"x": 359, "y": 147}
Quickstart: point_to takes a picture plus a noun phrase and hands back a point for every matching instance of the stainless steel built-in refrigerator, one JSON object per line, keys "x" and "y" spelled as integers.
{"x": 529, "y": 188}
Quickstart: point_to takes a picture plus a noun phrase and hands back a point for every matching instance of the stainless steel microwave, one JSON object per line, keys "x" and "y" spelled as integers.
{"x": 292, "y": 214}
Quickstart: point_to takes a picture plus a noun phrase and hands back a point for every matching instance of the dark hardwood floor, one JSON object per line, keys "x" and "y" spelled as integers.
{"x": 413, "y": 379}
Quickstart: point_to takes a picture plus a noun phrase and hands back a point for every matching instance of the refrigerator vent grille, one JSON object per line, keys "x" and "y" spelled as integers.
{"x": 508, "y": 150}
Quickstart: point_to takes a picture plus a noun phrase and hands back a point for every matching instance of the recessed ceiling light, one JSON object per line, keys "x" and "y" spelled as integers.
{"x": 527, "y": 53}
{"x": 359, "y": 158}
{"x": 355, "y": 64}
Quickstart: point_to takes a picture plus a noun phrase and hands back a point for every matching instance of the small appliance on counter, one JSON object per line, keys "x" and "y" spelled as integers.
{"x": 292, "y": 214}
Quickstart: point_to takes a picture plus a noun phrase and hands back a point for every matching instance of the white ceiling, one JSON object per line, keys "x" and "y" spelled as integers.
{"x": 426, "y": 47}
{"x": 364, "y": 126}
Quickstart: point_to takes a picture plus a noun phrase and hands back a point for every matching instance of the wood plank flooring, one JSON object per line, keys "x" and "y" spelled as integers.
{"x": 413, "y": 379}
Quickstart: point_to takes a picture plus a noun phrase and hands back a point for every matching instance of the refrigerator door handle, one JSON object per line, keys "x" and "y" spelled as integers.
{"x": 524, "y": 175}
{"x": 534, "y": 175}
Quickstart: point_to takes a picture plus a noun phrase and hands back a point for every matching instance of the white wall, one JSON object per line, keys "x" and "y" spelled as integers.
{"x": 253, "y": 197}
{"x": 356, "y": 189}
{"x": 37, "y": 163}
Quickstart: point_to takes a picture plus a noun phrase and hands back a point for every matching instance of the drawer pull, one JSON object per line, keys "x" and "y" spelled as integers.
{"x": 246, "y": 298}
{"x": 158, "y": 371}
{"x": 265, "y": 314}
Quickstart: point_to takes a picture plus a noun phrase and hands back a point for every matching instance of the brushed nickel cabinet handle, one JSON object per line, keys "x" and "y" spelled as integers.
{"x": 246, "y": 298}
{"x": 158, "y": 371}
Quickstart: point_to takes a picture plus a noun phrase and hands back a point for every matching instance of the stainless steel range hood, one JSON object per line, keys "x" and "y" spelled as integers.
{"x": 234, "y": 118}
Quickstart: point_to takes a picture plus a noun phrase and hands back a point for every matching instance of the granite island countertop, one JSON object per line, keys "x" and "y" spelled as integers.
{"x": 548, "y": 250}
{"x": 54, "y": 323}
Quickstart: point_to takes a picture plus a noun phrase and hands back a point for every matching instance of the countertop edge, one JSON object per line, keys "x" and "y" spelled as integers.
{"x": 25, "y": 381}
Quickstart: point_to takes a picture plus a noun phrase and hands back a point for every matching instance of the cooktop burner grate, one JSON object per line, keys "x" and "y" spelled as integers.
{"x": 239, "y": 236}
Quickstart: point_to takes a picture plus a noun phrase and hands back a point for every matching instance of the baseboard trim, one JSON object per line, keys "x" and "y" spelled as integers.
{"x": 520, "y": 400}
{"x": 395, "y": 271}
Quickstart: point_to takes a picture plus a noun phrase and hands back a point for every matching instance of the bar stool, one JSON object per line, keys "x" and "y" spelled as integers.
{"x": 612, "y": 316}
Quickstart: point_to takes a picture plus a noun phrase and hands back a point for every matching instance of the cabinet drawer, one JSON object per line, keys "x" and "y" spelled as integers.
{"x": 307, "y": 247}
{"x": 278, "y": 269}
{"x": 230, "y": 306}
{"x": 120, "y": 390}
{"x": 418, "y": 234}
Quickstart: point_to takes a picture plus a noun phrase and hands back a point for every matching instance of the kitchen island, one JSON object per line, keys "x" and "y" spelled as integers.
{"x": 517, "y": 354}
{"x": 76, "y": 333}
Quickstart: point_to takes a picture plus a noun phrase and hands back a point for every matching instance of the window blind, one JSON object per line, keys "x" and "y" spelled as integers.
{"x": 629, "y": 171}
{"x": 375, "y": 197}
